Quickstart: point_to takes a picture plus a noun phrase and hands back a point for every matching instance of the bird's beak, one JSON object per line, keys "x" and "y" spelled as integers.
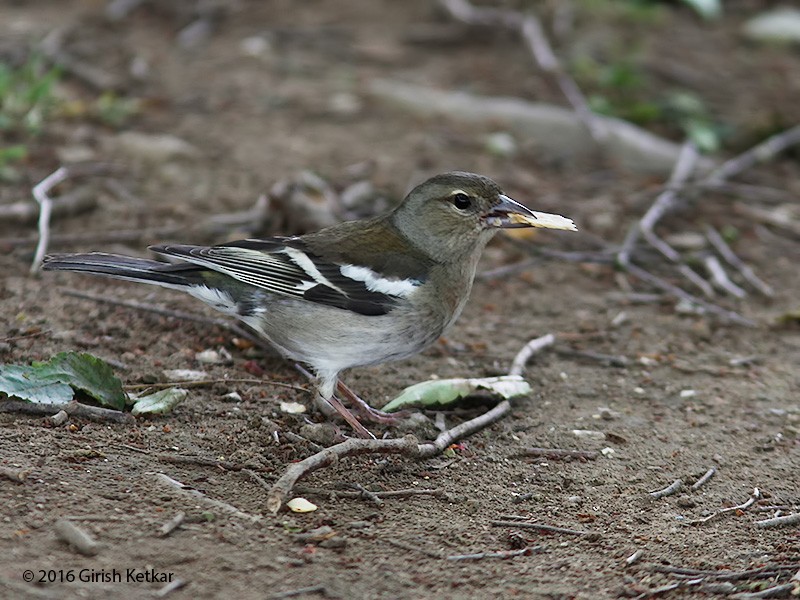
{"x": 510, "y": 214}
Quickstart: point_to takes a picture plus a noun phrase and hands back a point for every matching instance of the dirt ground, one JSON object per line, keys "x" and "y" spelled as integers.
{"x": 695, "y": 393}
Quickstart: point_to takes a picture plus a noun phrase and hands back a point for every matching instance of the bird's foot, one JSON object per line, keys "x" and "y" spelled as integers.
{"x": 366, "y": 412}
{"x": 325, "y": 404}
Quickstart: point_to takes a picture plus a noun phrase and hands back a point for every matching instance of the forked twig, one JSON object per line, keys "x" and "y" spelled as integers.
{"x": 730, "y": 257}
{"x": 406, "y": 446}
{"x": 41, "y": 192}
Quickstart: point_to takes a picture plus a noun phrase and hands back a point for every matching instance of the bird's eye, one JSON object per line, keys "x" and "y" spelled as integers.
{"x": 461, "y": 201}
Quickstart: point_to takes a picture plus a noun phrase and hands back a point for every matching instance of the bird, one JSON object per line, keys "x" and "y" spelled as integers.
{"x": 355, "y": 294}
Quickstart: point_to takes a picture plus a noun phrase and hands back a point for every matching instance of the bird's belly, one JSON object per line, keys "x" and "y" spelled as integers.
{"x": 331, "y": 339}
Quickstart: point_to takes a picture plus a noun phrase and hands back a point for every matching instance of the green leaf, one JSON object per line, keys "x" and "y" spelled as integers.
{"x": 22, "y": 382}
{"x": 54, "y": 381}
{"x": 160, "y": 402}
{"x": 443, "y": 392}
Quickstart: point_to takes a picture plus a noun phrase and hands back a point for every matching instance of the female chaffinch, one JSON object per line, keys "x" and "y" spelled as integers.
{"x": 358, "y": 293}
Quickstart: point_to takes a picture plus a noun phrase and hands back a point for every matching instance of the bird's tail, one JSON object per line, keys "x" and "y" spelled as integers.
{"x": 125, "y": 267}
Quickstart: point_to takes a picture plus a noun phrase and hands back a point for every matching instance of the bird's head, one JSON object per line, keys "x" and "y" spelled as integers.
{"x": 453, "y": 214}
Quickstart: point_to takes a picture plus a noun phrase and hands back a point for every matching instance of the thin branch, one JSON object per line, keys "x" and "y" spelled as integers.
{"x": 704, "y": 479}
{"x": 504, "y": 555}
{"x": 533, "y": 347}
{"x": 672, "y": 488}
{"x": 720, "y": 277}
{"x": 687, "y": 160}
{"x": 543, "y": 527}
{"x": 406, "y": 446}
{"x": 760, "y": 153}
{"x": 783, "y": 521}
{"x": 198, "y": 495}
{"x": 730, "y": 257}
{"x": 75, "y": 409}
{"x": 756, "y": 495}
{"x": 41, "y": 192}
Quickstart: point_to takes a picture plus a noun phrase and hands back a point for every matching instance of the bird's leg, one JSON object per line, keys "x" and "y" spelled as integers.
{"x": 328, "y": 404}
{"x": 365, "y": 411}
{"x": 335, "y": 403}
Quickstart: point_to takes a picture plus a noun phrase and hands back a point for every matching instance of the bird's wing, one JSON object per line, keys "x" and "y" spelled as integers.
{"x": 284, "y": 266}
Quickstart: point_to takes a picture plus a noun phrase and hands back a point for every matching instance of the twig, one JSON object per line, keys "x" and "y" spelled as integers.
{"x": 71, "y": 203}
{"x": 41, "y": 192}
{"x": 534, "y": 346}
{"x": 413, "y": 547}
{"x": 257, "y": 478}
{"x": 202, "y": 382}
{"x": 172, "y": 586}
{"x": 720, "y": 277}
{"x": 606, "y": 359}
{"x": 218, "y": 504}
{"x": 559, "y": 453}
{"x": 76, "y": 537}
{"x": 542, "y": 527}
{"x": 15, "y": 475}
{"x": 368, "y": 494}
{"x": 502, "y": 555}
{"x": 778, "y": 591}
{"x": 760, "y": 153}
{"x": 281, "y": 488}
{"x": 783, "y": 521}
{"x": 311, "y": 589}
{"x": 406, "y": 446}
{"x": 666, "y": 588}
{"x": 387, "y": 494}
{"x": 73, "y": 408}
{"x": 200, "y": 461}
{"x": 687, "y": 159}
{"x": 680, "y": 293}
{"x": 741, "y": 507}
{"x": 634, "y": 557}
{"x": 704, "y": 479}
{"x": 172, "y": 524}
{"x": 672, "y": 488}
{"x": 529, "y": 27}
{"x": 764, "y": 572}
{"x": 730, "y": 257}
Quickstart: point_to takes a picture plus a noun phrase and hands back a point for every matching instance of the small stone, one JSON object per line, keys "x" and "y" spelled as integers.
{"x": 688, "y": 393}
{"x": 324, "y": 434}
{"x": 686, "y": 501}
{"x": 293, "y": 408}
{"x": 184, "y": 375}
{"x": 589, "y": 434}
{"x": 232, "y": 397}
{"x": 575, "y": 500}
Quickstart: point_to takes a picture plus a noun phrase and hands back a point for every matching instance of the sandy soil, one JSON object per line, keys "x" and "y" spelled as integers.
{"x": 679, "y": 408}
